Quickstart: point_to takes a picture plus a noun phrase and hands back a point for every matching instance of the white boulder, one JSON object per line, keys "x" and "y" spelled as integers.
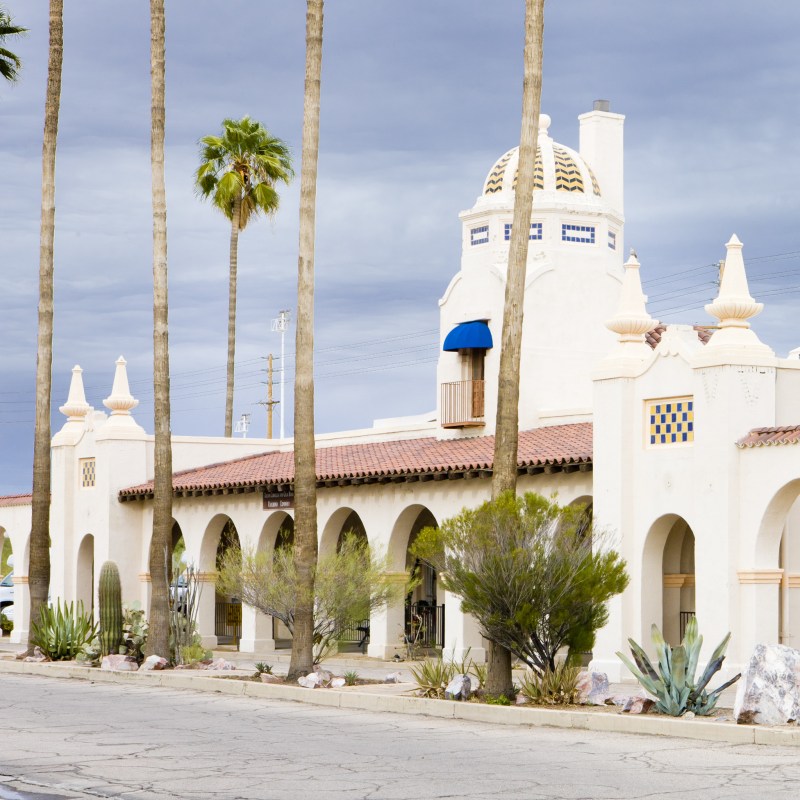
{"x": 119, "y": 663}
{"x": 769, "y": 690}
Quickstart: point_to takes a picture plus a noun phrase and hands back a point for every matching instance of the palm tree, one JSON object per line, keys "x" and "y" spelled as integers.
{"x": 39, "y": 560}
{"x": 238, "y": 171}
{"x": 9, "y": 62}
{"x": 161, "y": 541}
{"x": 305, "y": 472}
{"x": 504, "y": 475}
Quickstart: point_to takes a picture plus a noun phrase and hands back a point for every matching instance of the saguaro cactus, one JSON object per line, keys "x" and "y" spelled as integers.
{"x": 110, "y": 608}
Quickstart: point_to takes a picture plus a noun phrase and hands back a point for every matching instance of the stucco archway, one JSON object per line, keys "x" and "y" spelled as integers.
{"x": 777, "y": 560}
{"x": 343, "y": 520}
{"x": 668, "y": 578}
{"x": 84, "y": 574}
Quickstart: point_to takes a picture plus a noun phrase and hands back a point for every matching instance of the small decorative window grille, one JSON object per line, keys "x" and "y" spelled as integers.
{"x": 87, "y": 472}
{"x": 670, "y": 421}
{"x": 479, "y": 235}
{"x": 536, "y": 231}
{"x": 612, "y": 240}
{"x": 577, "y": 233}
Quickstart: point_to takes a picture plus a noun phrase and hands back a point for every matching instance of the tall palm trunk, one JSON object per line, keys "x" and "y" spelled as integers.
{"x": 234, "y": 268}
{"x": 39, "y": 563}
{"x": 504, "y": 475}
{"x": 305, "y": 472}
{"x": 161, "y": 541}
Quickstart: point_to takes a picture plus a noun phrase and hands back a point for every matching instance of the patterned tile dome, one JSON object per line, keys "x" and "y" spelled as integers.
{"x": 560, "y": 169}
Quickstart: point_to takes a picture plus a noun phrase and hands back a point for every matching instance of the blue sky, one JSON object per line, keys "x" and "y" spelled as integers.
{"x": 418, "y": 100}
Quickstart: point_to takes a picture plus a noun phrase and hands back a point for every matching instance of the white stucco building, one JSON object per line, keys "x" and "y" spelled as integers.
{"x": 684, "y": 440}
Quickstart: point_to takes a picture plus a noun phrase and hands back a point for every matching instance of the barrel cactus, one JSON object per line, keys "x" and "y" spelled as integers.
{"x": 110, "y": 608}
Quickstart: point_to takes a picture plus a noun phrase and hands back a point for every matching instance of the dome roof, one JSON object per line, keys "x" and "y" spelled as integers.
{"x": 558, "y": 168}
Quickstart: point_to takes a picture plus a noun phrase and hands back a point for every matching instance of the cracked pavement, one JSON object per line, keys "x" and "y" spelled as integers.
{"x": 73, "y": 739}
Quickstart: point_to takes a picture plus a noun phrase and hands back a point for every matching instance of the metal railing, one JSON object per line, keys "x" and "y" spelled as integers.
{"x": 228, "y": 622}
{"x": 354, "y": 633}
{"x": 684, "y": 621}
{"x": 425, "y": 624}
{"x": 462, "y": 404}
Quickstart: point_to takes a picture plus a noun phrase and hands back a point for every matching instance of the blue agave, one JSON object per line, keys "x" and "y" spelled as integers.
{"x": 674, "y": 682}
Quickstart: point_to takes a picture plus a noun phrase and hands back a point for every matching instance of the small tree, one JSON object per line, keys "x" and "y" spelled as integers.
{"x": 347, "y": 587}
{"x": 525, "y": 567}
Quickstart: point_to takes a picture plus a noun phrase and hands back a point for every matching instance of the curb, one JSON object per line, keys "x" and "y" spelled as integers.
{"x": 495, "y": 715}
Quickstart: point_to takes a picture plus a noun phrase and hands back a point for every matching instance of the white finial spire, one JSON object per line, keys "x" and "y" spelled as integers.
{"x": 121, "y": 401}
{"x": 544, "y": 124}
{"x": 76, "y": 407}
{"x": 734, "y": 306}
{"x": 632, "y": 322}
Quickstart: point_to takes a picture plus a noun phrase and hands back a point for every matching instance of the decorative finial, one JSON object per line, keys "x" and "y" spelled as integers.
{"x": 121, "y": 401}
{"x": 76, "y": 407}
{"x": 544, "y": 124}
{"x": 632, "y": 321}
{"x": 734, "y": 305}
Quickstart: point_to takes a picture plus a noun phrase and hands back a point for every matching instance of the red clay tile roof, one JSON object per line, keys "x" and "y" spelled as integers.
{"x": 763, "y": 437}
{"x": 557, "y": 446}
{"x": 16, "y": 500}
{"x": 653, "y": 337}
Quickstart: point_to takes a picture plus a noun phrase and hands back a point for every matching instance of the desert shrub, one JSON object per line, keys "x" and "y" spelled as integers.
{"x": 552, "y": 687}
{"x": 432, "y": 676}
{"x": 62, "y": 632}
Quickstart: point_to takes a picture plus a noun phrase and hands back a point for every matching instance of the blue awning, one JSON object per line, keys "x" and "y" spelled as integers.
{"x": 469, "y": 336}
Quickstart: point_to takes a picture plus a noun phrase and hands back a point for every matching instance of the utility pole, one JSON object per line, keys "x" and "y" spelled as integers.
{"x": 281, "y": 325}
{"x": 269, "y": 403}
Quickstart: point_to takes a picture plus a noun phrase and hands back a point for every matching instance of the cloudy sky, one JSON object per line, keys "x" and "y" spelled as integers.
{"x": 418, "y": 100}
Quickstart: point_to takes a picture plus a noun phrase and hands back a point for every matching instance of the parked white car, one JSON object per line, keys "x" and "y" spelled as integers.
{"x": 7, "y": 591}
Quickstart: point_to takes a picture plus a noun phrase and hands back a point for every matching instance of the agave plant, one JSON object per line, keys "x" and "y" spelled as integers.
{"x": 674, "y": 683}
{"x": 61, "y": 633}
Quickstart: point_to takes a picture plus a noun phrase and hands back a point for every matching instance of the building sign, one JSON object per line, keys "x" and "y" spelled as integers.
{"x": 278, "y": 500}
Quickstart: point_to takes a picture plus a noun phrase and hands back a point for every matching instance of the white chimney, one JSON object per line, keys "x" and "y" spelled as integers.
{"x": 601, "y": 145}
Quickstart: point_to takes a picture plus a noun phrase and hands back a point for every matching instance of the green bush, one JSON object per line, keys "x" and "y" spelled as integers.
{"x": 62, "y": 633}
{"x": 351, "y": 677}
{"x": 6, "y": 625}
{"x": 134, "y": 632}
{"x": 674, "y": 683}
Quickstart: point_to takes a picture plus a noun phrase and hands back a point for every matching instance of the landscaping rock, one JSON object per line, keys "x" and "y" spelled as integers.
{"x": 324, "y": 676}
{"x": 267, "y": 677}
{"x": 522, "y": 700}
{"x": 689, "y": 715}
{"x": 337, "y": 683}
{"x": 310, "y": 681}
{"x": 392, "y": 677}
{"x": 593, "y": 688}
{"x": 154, "y": 662}
{"x": 769, "y": 691}
{"x": 119, "y": 663}
{"x": 617, "y": 700}
{"x": 638, "y": 704}
{"x": 220, "y": 664}
{"x": 460, "y": 688}
{"x": 37, "y": 656}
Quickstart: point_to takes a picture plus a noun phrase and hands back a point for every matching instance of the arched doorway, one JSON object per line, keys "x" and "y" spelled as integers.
{"x": 227, "y": 609}
{"x": 7, "y": 591}
{"x": 668, "y": 578}
{"x": 424, "y": 614}
{"x": 283, "y": 538}
{"x": 84, "y": 574}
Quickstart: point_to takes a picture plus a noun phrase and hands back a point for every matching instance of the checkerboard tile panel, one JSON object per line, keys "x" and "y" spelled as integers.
{"x": 670, "y": 421}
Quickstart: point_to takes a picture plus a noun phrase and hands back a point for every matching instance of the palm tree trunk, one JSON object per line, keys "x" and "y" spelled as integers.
{"x": 234, "y": 268}
{"x": 305, "y": 472}
{"x": 161, "y": 541}
{"x": 39, "y": 560}
{"x": 504, "y": 475}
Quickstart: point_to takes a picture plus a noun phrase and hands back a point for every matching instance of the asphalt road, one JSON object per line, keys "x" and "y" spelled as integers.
{"x": 64, "y": 739}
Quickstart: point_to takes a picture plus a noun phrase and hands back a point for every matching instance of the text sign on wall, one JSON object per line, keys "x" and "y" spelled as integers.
{"x": 278, "y": 500}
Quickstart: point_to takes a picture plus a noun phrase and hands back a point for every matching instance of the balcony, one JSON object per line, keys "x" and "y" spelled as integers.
{"x": 462, "y": 404}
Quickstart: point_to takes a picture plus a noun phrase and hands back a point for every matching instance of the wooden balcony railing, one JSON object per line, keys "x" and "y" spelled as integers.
{"x": 462, "y": 404}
